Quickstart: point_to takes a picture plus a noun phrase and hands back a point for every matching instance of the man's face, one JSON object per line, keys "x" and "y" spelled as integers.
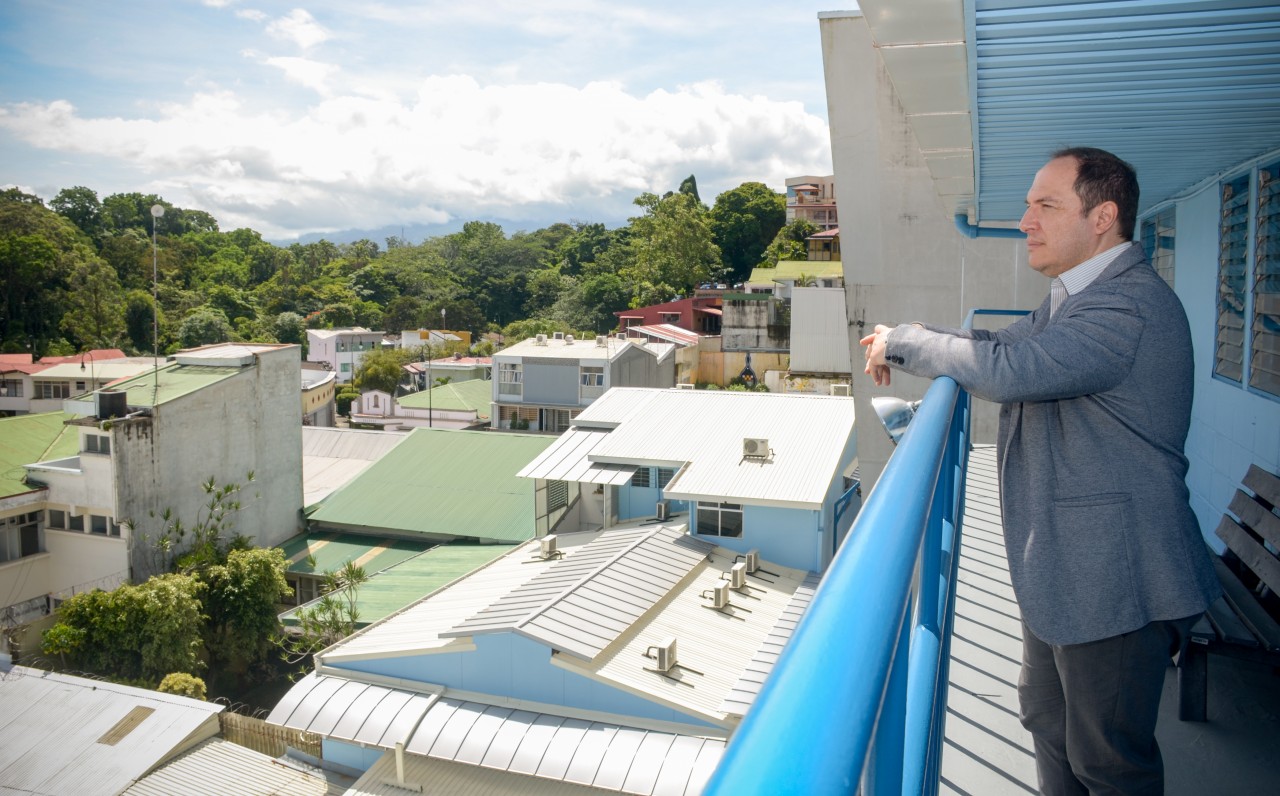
{"x": 1059, "y": 234}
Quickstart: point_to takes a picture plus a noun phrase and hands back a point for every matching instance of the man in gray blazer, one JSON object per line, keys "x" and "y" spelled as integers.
{"x": 1105, "y": 555}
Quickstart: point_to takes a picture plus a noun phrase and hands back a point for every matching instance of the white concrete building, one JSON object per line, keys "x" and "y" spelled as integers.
{"x": 341, "y": 350}
{"x": 541, "y": 384}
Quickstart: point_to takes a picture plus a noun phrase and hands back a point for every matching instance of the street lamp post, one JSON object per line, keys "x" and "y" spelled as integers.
{"x": 93, "y": 377}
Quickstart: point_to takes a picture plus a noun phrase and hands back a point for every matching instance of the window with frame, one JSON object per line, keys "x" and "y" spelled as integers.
{"x": 640, "y": 478}
{"x": 720, "y": 519}
{"x": 50, "y": 390}
{"x": 76, "y": 523}
{"x": 1247, "y": 343}
{"x": 510, "y": 378}
{"x": 665, "y": 474}
{"x": 592, "y": 376}
{"x": 1158, "y": 235}
{"x": 97, "y": 443}
{"x": 557, "y": 495}
{"x": 10, "y": 389}
{"x": 20, "y": 536}
{"x": 56, "y": 518}
{"x": 98, "y": 524}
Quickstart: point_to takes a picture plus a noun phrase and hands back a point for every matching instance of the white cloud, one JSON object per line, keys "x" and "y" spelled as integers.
{"x": 300, "y": 28}
{"x": 252, "y": 14}
{"x": 304, "y": 71}
{"x": 454, "y": 149}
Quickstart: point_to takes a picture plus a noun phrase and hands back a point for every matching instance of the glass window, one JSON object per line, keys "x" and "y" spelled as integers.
{"x": 76, "y": 523}
{"x": 1264, "y": 360}
{"x": 97, "y": 443}
{"x": 720, "y": 519}
{"x": 50, "y": 390}
{"x": 57, "y": 519}
{"x": 640, "y": 478}
{"x": 1247, "y": 346}
{"x": 592, "y": 377}
{"x": 510, "y": 378}
{"x": 98, "y": 524}
{"x": 1158, "y": 237}
{"x": 10, "y": 389}
{"x": 665, "y": 474}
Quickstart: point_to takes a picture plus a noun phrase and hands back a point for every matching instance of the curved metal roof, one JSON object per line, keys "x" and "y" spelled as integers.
{"x": 1183, "y": 89}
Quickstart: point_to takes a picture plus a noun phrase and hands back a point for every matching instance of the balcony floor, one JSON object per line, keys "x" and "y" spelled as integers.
{"x": 986, "y": 750}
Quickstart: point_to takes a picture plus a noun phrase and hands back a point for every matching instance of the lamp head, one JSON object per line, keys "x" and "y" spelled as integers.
{"x": 895, "y": 414}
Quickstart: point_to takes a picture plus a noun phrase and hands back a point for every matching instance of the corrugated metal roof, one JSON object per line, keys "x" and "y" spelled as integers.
{"x": 457, "y": 779}
{"x": 219, "y": 767}
{"x": 807, "y": 435}
{"x": 668, "y": 332}
{"x": 470, "y": 395}
{"x": 623, "y": 403}
{"x": 333, "y": 457}
{"x": 326, "y": 551}
{"x": 792, "y": 270}
{"x": 27, "y": 439}
{"x": 100, "y": 372}
{"x": 51, "y": 725}
{"x": 1182, "y": 89}
{"x": 567, "y": 460}
{"x": 403, "y": 584}
{"x": 820, "y": 331}
{"x": 560, "y": 349}
{"x": 547, "y": 746}
{"x": 585, "y": 601}
{"x": 443, "y": 484}
{"x": 418, "y": 628}
{"x": 747, "y": 688}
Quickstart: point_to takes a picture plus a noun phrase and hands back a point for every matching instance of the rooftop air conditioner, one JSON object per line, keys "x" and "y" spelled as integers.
{"x": 558, "y": 335}
{"x": 684, "y": 385}
{"x": 752, "y": 561}
{"x": 540, "y": 339}
{"x": 602, "y": 340}
{"x": 840, "y": 389}
{"x": 622, "y": 335}
{"x": 738, "y": 575}
{"x": 755, "y": 448}
{"x": 664, "y": 510}
{"x": 665, "y": 654}
{"x": 547, "y": 546}
{"x": 719, "y": 595}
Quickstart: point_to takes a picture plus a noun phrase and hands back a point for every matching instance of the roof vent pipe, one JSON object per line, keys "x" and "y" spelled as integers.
{"x": 975, "y": 231}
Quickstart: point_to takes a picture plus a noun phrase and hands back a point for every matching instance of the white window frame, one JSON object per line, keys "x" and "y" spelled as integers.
{"x": 511, "y": 379}
{"x": 720, "y": 510}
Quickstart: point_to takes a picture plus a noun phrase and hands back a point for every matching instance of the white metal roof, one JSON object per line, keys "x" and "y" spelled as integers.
{"x": 225, "y": 354}
{"x": 55, "y": 731}
{"x": 601, "y": 754}
{"x": 587, "y": 350}
{"x": 218, "y": 767}
{"x": 457, "y": 779}
{"x": 585, "y": 601}
{"x": 419, "y": 628}
{"x": 99, "y": 371}
{"x": 807, "y": 435}
{"x": 747, "y": 688}
{"x": 820, "y": 331}
{"x": 566, "y": 460}
{"x": 332, "y": 457}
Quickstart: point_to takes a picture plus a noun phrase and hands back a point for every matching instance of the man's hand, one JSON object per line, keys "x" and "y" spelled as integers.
{"x": 877, "y": 367}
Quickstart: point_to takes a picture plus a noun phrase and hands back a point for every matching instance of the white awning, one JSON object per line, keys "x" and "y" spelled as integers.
{"x": 567, "y": 460}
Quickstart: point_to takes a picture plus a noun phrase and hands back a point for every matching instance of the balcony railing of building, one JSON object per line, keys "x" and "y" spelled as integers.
{"x": 857, "y": 699}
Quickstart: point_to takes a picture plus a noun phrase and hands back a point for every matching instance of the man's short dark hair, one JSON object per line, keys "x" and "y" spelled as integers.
{"x": 1102, "y": 177}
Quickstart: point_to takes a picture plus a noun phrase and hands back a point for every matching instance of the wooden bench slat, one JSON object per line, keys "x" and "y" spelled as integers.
{"x": 1256, "y": 557}
{"x": 1228, "y": 626}
{"x": 1243, "y": 600}
{"x": 1256, "y": 517}
{"x": 1263, "y": 484}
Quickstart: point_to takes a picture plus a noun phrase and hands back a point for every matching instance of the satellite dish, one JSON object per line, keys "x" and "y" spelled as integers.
{"x": 895, "y": 414}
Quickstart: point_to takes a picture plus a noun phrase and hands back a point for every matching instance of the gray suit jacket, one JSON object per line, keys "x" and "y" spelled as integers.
{"x": 1095, "y": 406}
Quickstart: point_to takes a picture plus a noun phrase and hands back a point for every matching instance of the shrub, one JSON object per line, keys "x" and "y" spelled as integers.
{"x": 183, "y": 684}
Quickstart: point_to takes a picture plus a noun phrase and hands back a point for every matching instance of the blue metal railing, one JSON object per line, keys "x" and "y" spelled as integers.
{"x": 857, "y": 699}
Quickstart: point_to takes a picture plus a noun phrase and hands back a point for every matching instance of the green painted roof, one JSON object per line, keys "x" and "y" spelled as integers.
{"x": 442, "y": 482}
{"x": 792, "y": 269}
{"x": 327, "y": 551}
{"x": 174, "y": 381}
{"x": 473, "y": 394}
{"x": 27, "y": 439}
{"x": 407, "y": 582}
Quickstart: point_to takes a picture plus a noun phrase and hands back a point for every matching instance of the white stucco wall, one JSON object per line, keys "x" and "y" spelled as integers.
{"x": 249, "y": 422}
{"x": 83, "y": 562}
{"x": 903, "y": 258}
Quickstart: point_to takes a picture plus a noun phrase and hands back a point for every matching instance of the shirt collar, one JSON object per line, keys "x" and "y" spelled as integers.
{"x": 1081, "y": 276}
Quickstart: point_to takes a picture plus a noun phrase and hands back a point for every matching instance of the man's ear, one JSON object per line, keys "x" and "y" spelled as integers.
{"x": 1105, "y": 216}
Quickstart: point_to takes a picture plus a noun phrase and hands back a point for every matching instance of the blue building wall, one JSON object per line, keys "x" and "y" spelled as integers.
{"x": 509, "y": 665}
{"x": 791, "y": 537}
{"x": 1231, "y": 427}
{"x": 635, "y": 502}
{"x": 360, "y": 758}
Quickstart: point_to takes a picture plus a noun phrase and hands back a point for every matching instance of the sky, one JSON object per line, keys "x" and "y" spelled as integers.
{"x": 324, "y": 117}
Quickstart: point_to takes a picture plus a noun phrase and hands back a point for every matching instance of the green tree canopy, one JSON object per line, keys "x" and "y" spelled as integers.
{"x": 789, "y": 243}
{"x": 95, "y": 316}
{"x": 240, "y": 600}
{"x": 744, "y": 221}
{"x": 204, "y": 326}
{"x": 382, "y": 369}
{"x": 672, "y": 249}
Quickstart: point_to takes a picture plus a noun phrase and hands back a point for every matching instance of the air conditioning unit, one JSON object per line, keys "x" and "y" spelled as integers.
{"x": 738, "y": 575}
{"x": 540, "y": 339}
{"x": 664, "y": 653}
{"x": 548, "y": 547}
{"x": 752, "y": 561}
{"x": 558, "y": 335}
{"x": 840, "y": 389}
{"x": 622, "y": 335}
{"x": 755, "y": 448}
{"x": 664, "y": 510}
{"x": 602, "y": 340}
{"x": 719, "y": 595}
{"x": 684, "y": 385}
{"x": 568, "y": 339}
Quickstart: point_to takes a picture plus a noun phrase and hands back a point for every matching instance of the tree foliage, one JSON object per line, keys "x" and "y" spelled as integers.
{"x": 240, "y": 600}
{"x": 744, "y": 222}
{"x": 382, "y": 369}
{"x": 672, "y": 248}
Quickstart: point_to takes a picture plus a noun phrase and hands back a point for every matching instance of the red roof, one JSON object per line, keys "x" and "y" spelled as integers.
{"x": 826, "y": 233}
{"x": 96, "y": 355}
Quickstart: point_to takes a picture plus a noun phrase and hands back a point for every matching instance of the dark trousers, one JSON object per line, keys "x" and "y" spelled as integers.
{"x": 1091, "y": 709}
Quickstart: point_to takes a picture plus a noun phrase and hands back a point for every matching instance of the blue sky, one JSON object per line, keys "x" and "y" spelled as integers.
{"x": 305, "y": 119}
